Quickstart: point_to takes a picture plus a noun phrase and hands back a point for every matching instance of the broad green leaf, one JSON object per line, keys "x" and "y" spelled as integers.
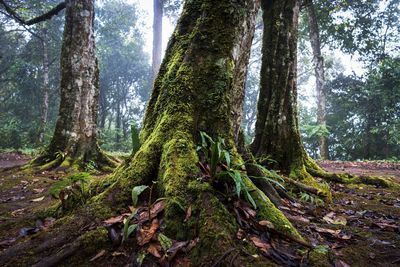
{"x": 136, "y": 191}
{"x": 165, "y": 241}
{"x": 227, "y": 158}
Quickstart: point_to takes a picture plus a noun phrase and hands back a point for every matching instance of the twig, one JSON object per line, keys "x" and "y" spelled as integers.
{"x": 223, "y": 256}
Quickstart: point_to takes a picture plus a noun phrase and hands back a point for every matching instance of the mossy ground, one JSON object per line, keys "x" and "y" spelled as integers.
{"x": 362, "y": 206}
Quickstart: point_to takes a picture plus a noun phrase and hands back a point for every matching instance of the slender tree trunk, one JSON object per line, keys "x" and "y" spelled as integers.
{"x": 118, "y": 125}
{"x": 45, "y": 90}
{"x": 319, "y": 71}
{"x": 277, "y": 134}
{"x": 75, "y": 135}
{"x": 157, "y": 35}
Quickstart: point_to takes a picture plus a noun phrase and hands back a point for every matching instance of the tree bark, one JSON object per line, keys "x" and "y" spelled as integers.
{"x": 193, "y": 92}
{"x": 319, "y": 71}
{"x": 75, "y": 135}
{"x": 157, "y": 35}
{"x": 277, "y": 139}
{"x": 276, "y": 132}
{"x": 46, "y": 88}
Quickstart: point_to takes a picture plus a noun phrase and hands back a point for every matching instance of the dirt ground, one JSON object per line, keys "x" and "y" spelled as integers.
{"x": 361, "y": 227}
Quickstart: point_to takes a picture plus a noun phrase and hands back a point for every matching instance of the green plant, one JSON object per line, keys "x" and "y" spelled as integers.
{"x": 218, "y": 164}
{"x": 60, "y": 155}
{"x": 71, "y": 189}
{"x": 305, "y": 197}
{"x": 90, "y": 166}
{"x": 128, "y": 229}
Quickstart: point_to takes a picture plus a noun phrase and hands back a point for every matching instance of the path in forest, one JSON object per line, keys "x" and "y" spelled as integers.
{"x": 361, "y": 227}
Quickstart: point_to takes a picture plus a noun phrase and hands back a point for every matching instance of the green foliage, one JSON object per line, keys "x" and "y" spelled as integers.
{"x": 305, "y": 197}
{"x": 71, "y": 189}
{"x": 218, "y": 161}
{"x": 365, "y": 113}
{"x": 136, "y": 191}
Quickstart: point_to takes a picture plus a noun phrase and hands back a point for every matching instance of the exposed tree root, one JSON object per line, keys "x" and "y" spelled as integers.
{"x": 62, "y": 161}
{"x": 317, "y": 171}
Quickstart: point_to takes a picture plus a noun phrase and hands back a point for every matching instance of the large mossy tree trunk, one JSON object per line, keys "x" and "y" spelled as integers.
{"x": 75, "y": 135}
{"x": 319, "y": 71}
{"x": 277, "y": 134}
{"x": 193, "y": 92}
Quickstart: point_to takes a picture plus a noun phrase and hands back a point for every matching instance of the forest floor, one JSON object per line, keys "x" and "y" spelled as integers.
{"x": 361, "y": 227}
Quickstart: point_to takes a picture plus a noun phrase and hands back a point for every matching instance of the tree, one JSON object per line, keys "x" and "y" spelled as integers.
{"x": 319, "y": 71}
{"x": 125, "y": 74}
{"x": 75, "y": 135}
{"x": 192, "y": 93}
{"x": 157, "y": 35}
{"x": 277, "y": 134}
{"x": 170, "y": 7}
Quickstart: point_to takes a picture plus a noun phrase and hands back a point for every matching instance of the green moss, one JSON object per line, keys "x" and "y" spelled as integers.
{"x": 93, "y": 240}
{"x": 319, "y": 259}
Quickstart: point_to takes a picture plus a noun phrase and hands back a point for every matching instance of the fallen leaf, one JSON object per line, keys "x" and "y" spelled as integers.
{"x": 37, "y": 199}
{"x": 98, "y": 255}
{"x": 145, "y": 234}
{"x": 298, "y": 218}
{"x": 327, "y": 231}
{"x": 154, "y": 249}
{"x": 38, "y": 190}
{"x": 116, "y": 219}
{"x": 260, "y": 243}
{"x": 331, "y": 218}
{"x": 340, "y": 263}
{"x": 188, "y": 214}
{"x": 17, "y": 212}
{"x": 117, "y": 253}
{"x": 155, "y": 209}
{"x": 267, "y": 224}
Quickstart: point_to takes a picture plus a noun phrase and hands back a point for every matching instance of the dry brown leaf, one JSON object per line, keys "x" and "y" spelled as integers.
{"x": 116, "y": 219}
{"x": 17, "y": 212}
{"x": 37, "y": 199}
{"x": 145, "y": 234}
{"x": 260, "y": 243}
{"x": 327, "y": 231}
{"x": 267, "y": 224}
{"x": 340, "y": 263}
{"x": 38, "y": 190}
{"x": 98, "y": 255}
{"x": 154, "y": 249}
{"x": 188, "y": 214}
{"x": 331, "y": 218}
{"x": 298, "y": 218}
{"x": 156, "y": 208}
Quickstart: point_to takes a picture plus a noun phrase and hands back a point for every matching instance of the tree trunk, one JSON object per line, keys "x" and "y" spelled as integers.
{"x": 46, "y": 88}
{"x": 277, "y": 134}
{"x": 75, "y": 135}
{"x": 157, "y": 36}
{"x": 193, "y": 92}
{"x": 319, "y": 76}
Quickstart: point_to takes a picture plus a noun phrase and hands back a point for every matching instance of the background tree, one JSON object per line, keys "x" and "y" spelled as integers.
{"x": 125, "y": 74}
{"x": 75, "y": 135}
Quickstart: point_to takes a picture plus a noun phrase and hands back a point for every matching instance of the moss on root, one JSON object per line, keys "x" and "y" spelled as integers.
{"x": 379, "y": 181}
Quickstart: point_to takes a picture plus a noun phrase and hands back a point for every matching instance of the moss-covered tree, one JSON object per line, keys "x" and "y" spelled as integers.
{"x": 75, "y": 135}
{"x": 276, "y": 133}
